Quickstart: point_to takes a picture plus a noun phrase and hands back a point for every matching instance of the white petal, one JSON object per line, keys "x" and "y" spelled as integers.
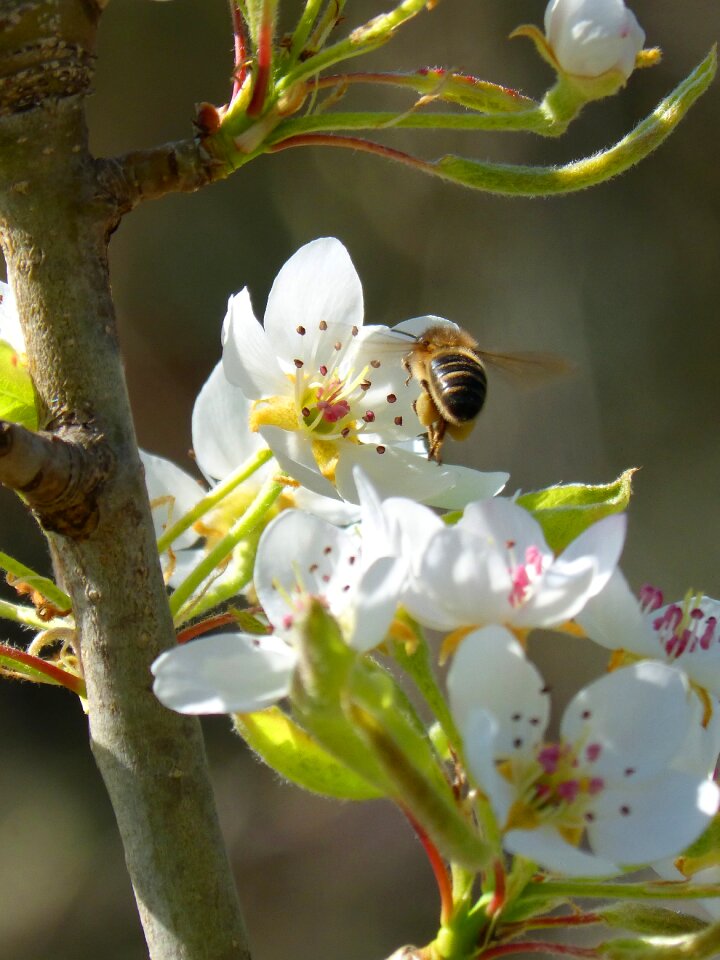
{"x": 293, "y": 451}
{"x": 227, "y": 673}
{"x": 613, "y": 619}
{"x": 639, "y": 715}
{"x": 394, "y": 471}
{"x": 603, "y": 541}
{"x": 221, "y": 437}
{"x": 469, "y": 485}
{"x": 172, "y": 492}
{"x": 470, "y": 581}
{"x": 497, "y": 522}
{"x": 248, "y": 357}
{"x": 652, "y": 820}
{"x": 416, "y": 326}
{"x": 490, "y": 672}
{"x": 302, "y": 554}
{"x": 545, "y": 847}
{"x": 377, "y": 600}
{"x": 479, "y": 733}
{"x": 577, "y": 574}
{"x": 318, "y": 283}
{"x": 329, "y": 508}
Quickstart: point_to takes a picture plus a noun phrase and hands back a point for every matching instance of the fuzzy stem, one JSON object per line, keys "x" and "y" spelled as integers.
{"x": 49, "y": 673}
{"x": 240, "y": 529}
{"x": 45, "y": 587}
{"x": 214, "y": 497}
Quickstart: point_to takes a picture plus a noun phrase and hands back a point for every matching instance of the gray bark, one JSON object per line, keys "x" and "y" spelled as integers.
{"x": 56, "y": 216}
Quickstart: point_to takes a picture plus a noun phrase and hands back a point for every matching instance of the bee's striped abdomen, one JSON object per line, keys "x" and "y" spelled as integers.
{"x": 458, "y": 385}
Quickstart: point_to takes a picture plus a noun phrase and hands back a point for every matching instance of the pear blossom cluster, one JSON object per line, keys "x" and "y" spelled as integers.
{"x": 629, "y": 778}
{"x": 372, "y": 611}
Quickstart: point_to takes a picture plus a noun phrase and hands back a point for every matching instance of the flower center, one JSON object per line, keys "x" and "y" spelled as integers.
{"x": 524, "y": 575}
{"x": 555, "y": 786}
{"x": 681, "y": 628}
{"x": 330, "y": 404}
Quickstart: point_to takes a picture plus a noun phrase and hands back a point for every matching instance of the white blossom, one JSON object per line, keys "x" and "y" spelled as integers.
{"x": 299, "y": 556}
{"x": 329, "y": 394}
{"x": 627, "y": 783}
{"x": 494, "y": 566}
{"x": 591, "y": 37}
{"x": 685, "y": 633}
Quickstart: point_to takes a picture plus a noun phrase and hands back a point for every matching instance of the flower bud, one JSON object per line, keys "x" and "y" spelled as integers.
{"x": 592, "y": 37}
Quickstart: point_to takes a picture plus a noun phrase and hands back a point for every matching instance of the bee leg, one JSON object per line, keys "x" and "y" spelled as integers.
{"x": 436, "y": 438}
{"x": 406, "y": 364}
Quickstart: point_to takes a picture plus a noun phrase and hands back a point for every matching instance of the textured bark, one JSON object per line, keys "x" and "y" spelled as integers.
{"x": 56, "y": 215}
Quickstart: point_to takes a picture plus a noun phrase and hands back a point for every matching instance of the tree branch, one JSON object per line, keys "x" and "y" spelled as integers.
{"x": 55, "y": 218}
{"x": 179, "y": 167}
{"x": 58, "y": 477}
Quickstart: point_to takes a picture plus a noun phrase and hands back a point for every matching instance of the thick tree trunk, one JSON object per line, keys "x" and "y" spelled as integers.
{"x": 55, "y": 221}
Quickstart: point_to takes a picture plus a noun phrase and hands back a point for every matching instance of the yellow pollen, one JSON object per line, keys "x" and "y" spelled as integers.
{"x": 521, "y": 817}
{"x": 452, "y": 641}
{"x": 573, "y": 835}
{"x": 274, "y": 412}
{"x": 707, "y": 703}
{"x": 571, "y": 627}
{"x": 326, "y": 457}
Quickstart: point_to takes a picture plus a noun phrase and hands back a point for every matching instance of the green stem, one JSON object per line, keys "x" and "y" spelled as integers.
{"x": 21, "y": 613}
{"x": 47, "y": 588}
{"x": 417, "y": 666}
{"x": 328, "y": 21}
{"x": 303, "y": 28}
{"x": 368, "y": 37}
{"x": 438, "y": 83}
{"x": 211, "y": 499}
{"x": 597, "y": 889}
{"x": 529, "y": 121}
{"x": 242, "y": 527}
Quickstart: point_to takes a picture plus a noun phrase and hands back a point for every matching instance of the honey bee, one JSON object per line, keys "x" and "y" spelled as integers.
{"x": 450, "y": 368}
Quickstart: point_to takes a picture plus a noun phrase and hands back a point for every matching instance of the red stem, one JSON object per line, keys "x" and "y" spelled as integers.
{"x": 498, "y": 897}
{"x": 351, "y": 143}
{"x": 197, "y": 629}
{"x": 538, "y": 946}
{"x": 68, "y": 680}
{"x": 240, "y": 43}
{"x": 442, "y": 877}
{"x": 574, "y": 920}
{"x": 263, "y": 63}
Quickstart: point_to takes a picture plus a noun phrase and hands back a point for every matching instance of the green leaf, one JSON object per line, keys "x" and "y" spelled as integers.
{"x": 17, "y": 393}
{"x": 650, "y": 920}
{"x": 295, "y": 755}
{"x": 566, "y": 510}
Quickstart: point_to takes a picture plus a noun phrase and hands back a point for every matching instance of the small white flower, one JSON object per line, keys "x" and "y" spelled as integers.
{"x": 329, "y": 394}
{"x": 591, "y": 37}
{"x": 629, "y": 776}
{"x": 222, "y": 442}
{"x": 685, "y": 633}
{"x": 299, "y": 556}
{"x": 494, "y": 566}
{"x": 10, "y": 329}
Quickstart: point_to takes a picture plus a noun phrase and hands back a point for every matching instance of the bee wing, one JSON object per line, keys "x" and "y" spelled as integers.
{"x": 400, "y": 339}
{"x": 527, "y": 366}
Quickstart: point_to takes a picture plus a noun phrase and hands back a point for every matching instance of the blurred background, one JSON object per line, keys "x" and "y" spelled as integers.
{"x": 623, "y": 279}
